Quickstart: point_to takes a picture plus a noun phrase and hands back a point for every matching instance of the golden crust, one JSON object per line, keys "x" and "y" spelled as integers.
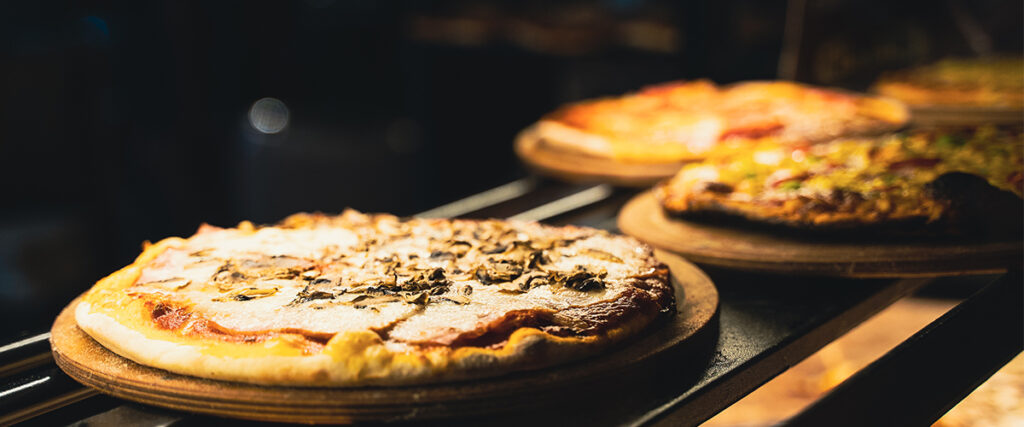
{"x": 123, "y": 322}
{"x": 682, "y": 121}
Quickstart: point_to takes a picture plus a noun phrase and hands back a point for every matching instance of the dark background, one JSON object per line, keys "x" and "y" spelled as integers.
{"x": 129, "y": 121}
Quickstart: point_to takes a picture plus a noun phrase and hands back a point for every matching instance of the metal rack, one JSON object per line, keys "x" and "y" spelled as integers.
{"x": 766, "y": 324}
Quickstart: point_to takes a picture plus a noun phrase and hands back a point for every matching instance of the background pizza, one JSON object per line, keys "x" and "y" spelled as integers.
{"x": 977, "y": 82}
{"x": 924, "y": 176}
{"x": 684, "y": 120}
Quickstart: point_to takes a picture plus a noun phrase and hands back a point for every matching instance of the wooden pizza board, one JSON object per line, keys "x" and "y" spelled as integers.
{"x": 769, "y": 251}
{"x": 579, "y": 167}
{"x": 88, "y": 362}
{"x": 942, "y": 115}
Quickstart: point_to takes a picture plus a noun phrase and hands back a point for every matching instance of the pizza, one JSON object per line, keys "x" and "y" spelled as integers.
{"x": 359, "y": 299}
{"x": 680, "y": 121}
{"x": 979, "y": 82}
{"x": 938, "y": 178}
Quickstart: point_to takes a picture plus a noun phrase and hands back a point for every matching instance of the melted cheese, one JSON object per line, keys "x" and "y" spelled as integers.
{"x": 314, "y": 279}
{"x": 685, "y": 120}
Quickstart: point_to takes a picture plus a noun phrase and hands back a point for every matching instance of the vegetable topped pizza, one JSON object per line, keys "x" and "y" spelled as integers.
{"x": 684, "y": 120}
{"x": 926, "y": 176}
{"x": 360, "y": 299}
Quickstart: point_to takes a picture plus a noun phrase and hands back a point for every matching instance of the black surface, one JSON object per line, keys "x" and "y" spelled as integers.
{"x": 75, "y": 413}
{"x": 34, "y": 386}
{"x": 14, "y": 352}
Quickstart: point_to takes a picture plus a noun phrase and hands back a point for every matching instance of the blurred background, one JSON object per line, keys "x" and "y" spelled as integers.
{"x": 122, "y": 122}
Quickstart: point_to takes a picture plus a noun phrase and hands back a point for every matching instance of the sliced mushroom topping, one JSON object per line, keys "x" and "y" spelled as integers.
{"x": 498, "y": 271}
{"x": 537, "y": 258}
{"x": 360, "y": 301}
{"x": 525, "y": 282}
{"x": 442, "y": 256}
{"x": 458, "y": 299}
{"x": 419, "y": 299}
{"x": 246, "y": 294}
{"x": 431, "y": 280}
{"x": 390, "y": 264}
{"x": 227, "y": 275}
{"x": 464, "y": 275}
{"x": 307, "y": 294}
{"x": 601, "y": 255}
{"x": 460, "y": 247}
{"x": 359, "y": 298}
{"x": 378, "y": 290}
{"x": 581, "y": 279}
{"x": 521, "y": 250}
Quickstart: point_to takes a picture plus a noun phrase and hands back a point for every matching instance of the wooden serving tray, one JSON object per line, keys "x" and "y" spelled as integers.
{"x": 585, "y": 168}
{"x": 768, "y": 251}
{"x": 88, "y": 362}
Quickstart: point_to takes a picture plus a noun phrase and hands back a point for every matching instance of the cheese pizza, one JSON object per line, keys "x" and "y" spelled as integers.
{"x": 680, "y": 121}
{"x": 359, "y": 299}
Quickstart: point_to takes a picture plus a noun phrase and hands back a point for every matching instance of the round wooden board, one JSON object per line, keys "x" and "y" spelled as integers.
{"x": 643, "y": 218}
{"x": 91, "y": 364}
{"x": 585, "y": 168}
{"x": 942, "y": 115}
